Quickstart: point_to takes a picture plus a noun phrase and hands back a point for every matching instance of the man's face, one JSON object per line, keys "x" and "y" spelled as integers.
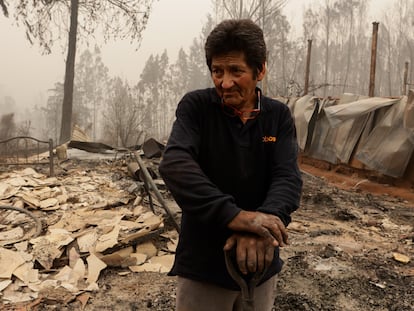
{"x": 234, "y": 81}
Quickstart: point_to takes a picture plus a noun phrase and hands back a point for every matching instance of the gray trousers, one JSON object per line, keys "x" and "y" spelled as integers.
{"x": 200, "y": 296}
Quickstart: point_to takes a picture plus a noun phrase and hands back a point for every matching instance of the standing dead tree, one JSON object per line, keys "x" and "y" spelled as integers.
{"x": 50, "y": 21}
{"x": 3, "y": 5}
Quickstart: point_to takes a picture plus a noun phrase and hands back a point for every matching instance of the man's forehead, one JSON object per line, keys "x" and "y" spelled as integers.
{"x": 229, "y": 58}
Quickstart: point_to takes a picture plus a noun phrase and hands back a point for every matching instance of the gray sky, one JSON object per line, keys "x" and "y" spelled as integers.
{"x": 25, "y": 73}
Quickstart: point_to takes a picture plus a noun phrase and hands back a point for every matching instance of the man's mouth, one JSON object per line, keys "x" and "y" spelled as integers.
{"x": 227, "y": 97}
{"x": 229, "y": 94}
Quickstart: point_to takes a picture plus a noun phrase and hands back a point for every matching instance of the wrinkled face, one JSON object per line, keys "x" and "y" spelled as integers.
{"x": 234, "y": 81}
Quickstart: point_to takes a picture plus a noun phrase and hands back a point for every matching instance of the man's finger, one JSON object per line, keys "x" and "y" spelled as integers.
{"x": 283, "y": 230}
{"x": 241, "y": 259}
{"x": 278, "y": 231}
{"x": 269, "y": 254}
{"x": 277, "y": 234}
{"x": 261, "y": 256}
{"x": 230, "y": 243}
{"x": 252, "y": 252}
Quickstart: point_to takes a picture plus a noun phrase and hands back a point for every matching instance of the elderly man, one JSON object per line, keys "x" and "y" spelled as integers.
{"x": 231, "y": 165}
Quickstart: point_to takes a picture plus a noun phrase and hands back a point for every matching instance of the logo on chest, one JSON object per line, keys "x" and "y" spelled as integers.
{"x": 269, "y": 139}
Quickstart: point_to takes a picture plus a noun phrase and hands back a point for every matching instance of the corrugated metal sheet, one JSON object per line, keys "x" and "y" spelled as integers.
{"x": 379, "y": 132}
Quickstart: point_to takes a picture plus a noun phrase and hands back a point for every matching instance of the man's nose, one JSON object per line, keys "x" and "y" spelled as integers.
{"x": 227, "y": 81}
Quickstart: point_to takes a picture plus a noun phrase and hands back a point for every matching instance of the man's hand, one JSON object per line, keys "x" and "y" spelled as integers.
{"x": 264, "y": 225}
{"x": 253, "y": 253}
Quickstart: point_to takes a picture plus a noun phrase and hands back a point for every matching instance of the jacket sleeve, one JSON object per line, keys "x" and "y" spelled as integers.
{"x": 283, "y": 196}
{"x": 191, "y": 188}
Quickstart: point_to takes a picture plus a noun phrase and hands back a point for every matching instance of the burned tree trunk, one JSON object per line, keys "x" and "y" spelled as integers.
{"x": 66, "y": 127}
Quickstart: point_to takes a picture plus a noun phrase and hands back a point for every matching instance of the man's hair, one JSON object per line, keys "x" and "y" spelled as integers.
{"x": 237, "y": 35}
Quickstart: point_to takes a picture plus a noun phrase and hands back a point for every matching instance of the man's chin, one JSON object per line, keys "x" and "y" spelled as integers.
{"x": 231, "y": 101}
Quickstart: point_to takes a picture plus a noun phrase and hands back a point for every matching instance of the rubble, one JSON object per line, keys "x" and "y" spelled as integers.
{"x": 91, "y": 218}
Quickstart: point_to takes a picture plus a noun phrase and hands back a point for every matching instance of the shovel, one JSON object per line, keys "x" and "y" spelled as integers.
{"x": 247, "y": 288}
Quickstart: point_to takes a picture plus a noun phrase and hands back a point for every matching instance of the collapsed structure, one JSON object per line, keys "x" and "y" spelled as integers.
{"x": 374, "y": 133}
{"x": 94, "y": 214}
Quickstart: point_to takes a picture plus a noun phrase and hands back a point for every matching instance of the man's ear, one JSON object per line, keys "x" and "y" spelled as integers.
{"x": 261, "y": 74}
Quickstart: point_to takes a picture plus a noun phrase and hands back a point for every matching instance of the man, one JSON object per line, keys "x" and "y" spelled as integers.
{"x": 231, "y": 165}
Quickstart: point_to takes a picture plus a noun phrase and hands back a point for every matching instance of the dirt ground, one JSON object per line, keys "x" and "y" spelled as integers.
{"x": 348, "y": 243}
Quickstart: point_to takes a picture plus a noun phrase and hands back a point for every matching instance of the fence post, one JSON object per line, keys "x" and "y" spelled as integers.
{"x": 51, "y": 168}
{"x": 405, "y": 79}
{"x": 308, "y": 59}
{"x": 373, "y": 59}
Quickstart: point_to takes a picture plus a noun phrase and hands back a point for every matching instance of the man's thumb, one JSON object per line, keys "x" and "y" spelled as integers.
{"x": 231, "y": 241}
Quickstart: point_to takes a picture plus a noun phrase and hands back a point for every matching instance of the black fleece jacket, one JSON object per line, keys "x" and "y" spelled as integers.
{"x": 215, "y": 166}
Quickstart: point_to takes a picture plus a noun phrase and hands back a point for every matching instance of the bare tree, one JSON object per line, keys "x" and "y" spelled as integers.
{"x": 91, "y": 83}
{"x": 124, "y": 114}
{"x": 67, "y": 105}
{"x": 337, "y": 54}
{"x": 53, "y": 111}
{"x": 257, "y": 10}
{"x": 328, "y": 17}
{"x": 46, "y": 23}
{"x": 7, "y": 126}
{"x": 3, "y": 5}
{"x": 396, "y": 45}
